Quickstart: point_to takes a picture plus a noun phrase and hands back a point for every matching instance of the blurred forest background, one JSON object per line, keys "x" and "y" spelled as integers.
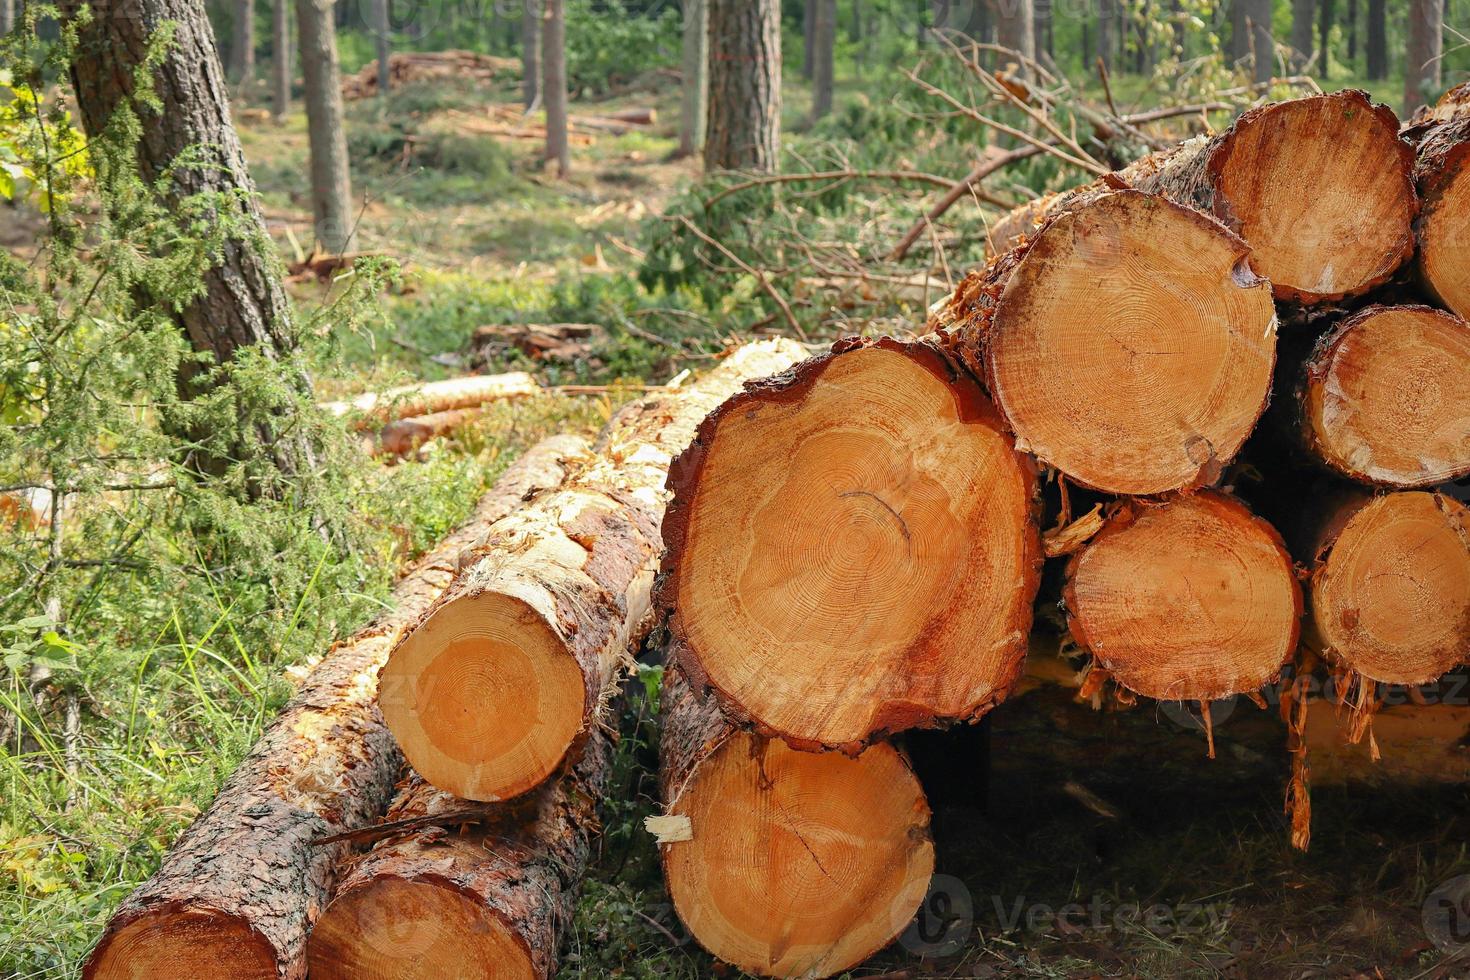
{"x": 354, "y": 195}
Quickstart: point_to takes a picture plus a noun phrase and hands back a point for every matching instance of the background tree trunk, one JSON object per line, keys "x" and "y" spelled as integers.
{"x": 1042, "y": 26}
{"x": 826, "y": 41}
{"x": 1377, "y": 43}
{"x": 531, "y": 53}
{"x": 1352, "y": 33}
{"x": 809, "y": 39}
{"x": 696, "y": 77}
{"x": 1422, "y": 66}
{"x": 331, "y": 185}
{"x": 1302, "y": 15}
{"x": 554, "y": 84}
{"x": 242, "y": 46}
{"x": 1106, "y": 28}
{"x": 1324, "y": 39}
{"x": 1015, "y": 26}
{"x": 1262, "y": 44}
{"x": 744, "y": 85}
{"x": 381, "y": 28}
{"x": 7, "y": 16}
{"x": 280, "y": 59}
{"x": 243, "y": 304}
{"x": 1240, "y": 45}
{"x": 855, "y": 25}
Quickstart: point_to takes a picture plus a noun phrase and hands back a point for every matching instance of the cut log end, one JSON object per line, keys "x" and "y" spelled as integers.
{"x": 864, "y": 518}
{"x": 425, "y": 929}
{"x": 484, "y": 699}
{"x": 1131, "y": 348}
{"x": 1191, "y": 599}
{"x": 173, "y": 941}
{"x": 1322, "y": 188}
{"x": 1384, "y": 397}
{"x": 1391, "y": 598}
{"x": 1444, "y": 235}
{"x": 799, "y": 864}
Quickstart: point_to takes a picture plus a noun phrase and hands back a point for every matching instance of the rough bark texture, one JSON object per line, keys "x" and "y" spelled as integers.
{"x": 239, "y": 891}
{"x": 531, "y": 53}
{"x": 1422, "y": 63}
{"x": 1442, "y": 172}
{"x": 694, "y": 91}
{"x": 744, "y": 85}
{"x": 824, "y": 41}
{"x": 515, "y": 867}
{"x": 281, "y": 60}
{"x": 831, "y": 855}
{"x": 242, "y": 44}
{"x": 1008, "y": 322}
{"x": 846, "y": 546}
{"x": 331, "y": 186}
{"x": 1379, "y": 399}
{"x": 554, "y": 84}
{"x": 243, "y": 304}
{"x": 565, "y": 581}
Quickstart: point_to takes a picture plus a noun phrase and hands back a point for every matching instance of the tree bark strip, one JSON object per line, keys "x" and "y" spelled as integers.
{"x": 335, "y": 224}
{"x": 554, "y": 84}
{"x": 1442, "y": 172}
{"x": 241, "y": 888}
{"x": 743, "y": 129}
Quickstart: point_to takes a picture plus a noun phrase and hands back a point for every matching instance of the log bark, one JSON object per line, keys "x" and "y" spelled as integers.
{"x": 744, "y": 119}
{"x": 241, "y": 888}
{"x": 487, "y": 895}
{"x": 1390, "y": 587}
{"x": 786, "y": 863}
{"x": 402, "y": 437}
{"x": 502, "y": 680}
{"x": 1126, "y": 342}
{"x": 874, "y": 574}
{"x": 1442, "y": 172}
{"x": 1192, "y": 598}
{"x": 1321, "y": 188}
{"x": 433, "y": 396}
{"x": 1381, "y": 400}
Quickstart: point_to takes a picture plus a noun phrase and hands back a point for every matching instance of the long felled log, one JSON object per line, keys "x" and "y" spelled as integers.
{"x": 434, "y": 396}
{"x": 1127, "y": 342}
{"x": 1442, "y": 171}
{"x": 502, "y": 679}
{"x": 786, "y": 863}
{"x": 1391, "y": 587}
{"x": 236, "y": 896}
{"x": 852, "y": 548}
{"x": 1321, "y": 188}
{"x": 1383, "y": 397}
{"x": 1193, "y": 598}
{"x": 479, "y": 895}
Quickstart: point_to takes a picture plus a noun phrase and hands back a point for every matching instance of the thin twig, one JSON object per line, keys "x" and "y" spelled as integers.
{"x": 750, "y": 270}
{"x": 898, "y": 175}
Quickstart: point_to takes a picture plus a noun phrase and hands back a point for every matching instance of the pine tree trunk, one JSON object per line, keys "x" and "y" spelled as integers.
{"x": 383, "y": 38}
{"x": 1324, "y": 43}
{"x": 1422, "y": 64}
{"x": 1352, "y": 34}
{"x": 809, "y": 39}
{"x": 1015, "y": 26}
{"x": 1303, "y": 12}
{"x": 825, "y": 42}
{"x": 695, "y": 89}
{"x": 1191, "y": 598}
{"x": 505, "y": 676}
{"x": 1262, "y": 44}
{"x": 1189, "y": 350}
{"x": 483, "y": 894}
{"x": 1106, "y": 27}
{"x": 855, "y": 25}
{"x": 554, "y": 84}
{"x": 786, "y": 863}
{"x": 744, "y": 85}
{"x": 1041, "y": 27}
{"x": 243, "y": 304}
{"x": 242, "y": 46}
{"x": 240, "y": 890}
{"x": 1376, "y": 397}
{"x": 331, "y": 188}
{"x": 531, "y": 53}
{"x": 1377, "y": 41}
{"x": 1240, "y": 45}
{"x": 280, "y": 58}
{"x": 850, "y": 554}
{"x": 1443, "y": 175}
{"x": 7, "y": 16}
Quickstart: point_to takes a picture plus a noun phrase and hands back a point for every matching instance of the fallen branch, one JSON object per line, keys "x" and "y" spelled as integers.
{"x": 749, "y": 270}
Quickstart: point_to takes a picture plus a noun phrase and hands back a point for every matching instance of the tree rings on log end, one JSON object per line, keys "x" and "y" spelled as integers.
{"x": 173, "y": 940}
{"x": 1189, "y": 599}
{"x": 1384, "y": 399}
{"x": 852, "y": 548}
{"x": 1391, "y": 596}
{"x": 798, "y": 864}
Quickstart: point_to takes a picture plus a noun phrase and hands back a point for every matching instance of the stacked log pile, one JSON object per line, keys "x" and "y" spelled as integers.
{"x": 848, "y": 547}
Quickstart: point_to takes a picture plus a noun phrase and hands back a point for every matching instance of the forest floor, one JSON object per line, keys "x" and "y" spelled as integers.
{"x": 1098, "y": 843}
